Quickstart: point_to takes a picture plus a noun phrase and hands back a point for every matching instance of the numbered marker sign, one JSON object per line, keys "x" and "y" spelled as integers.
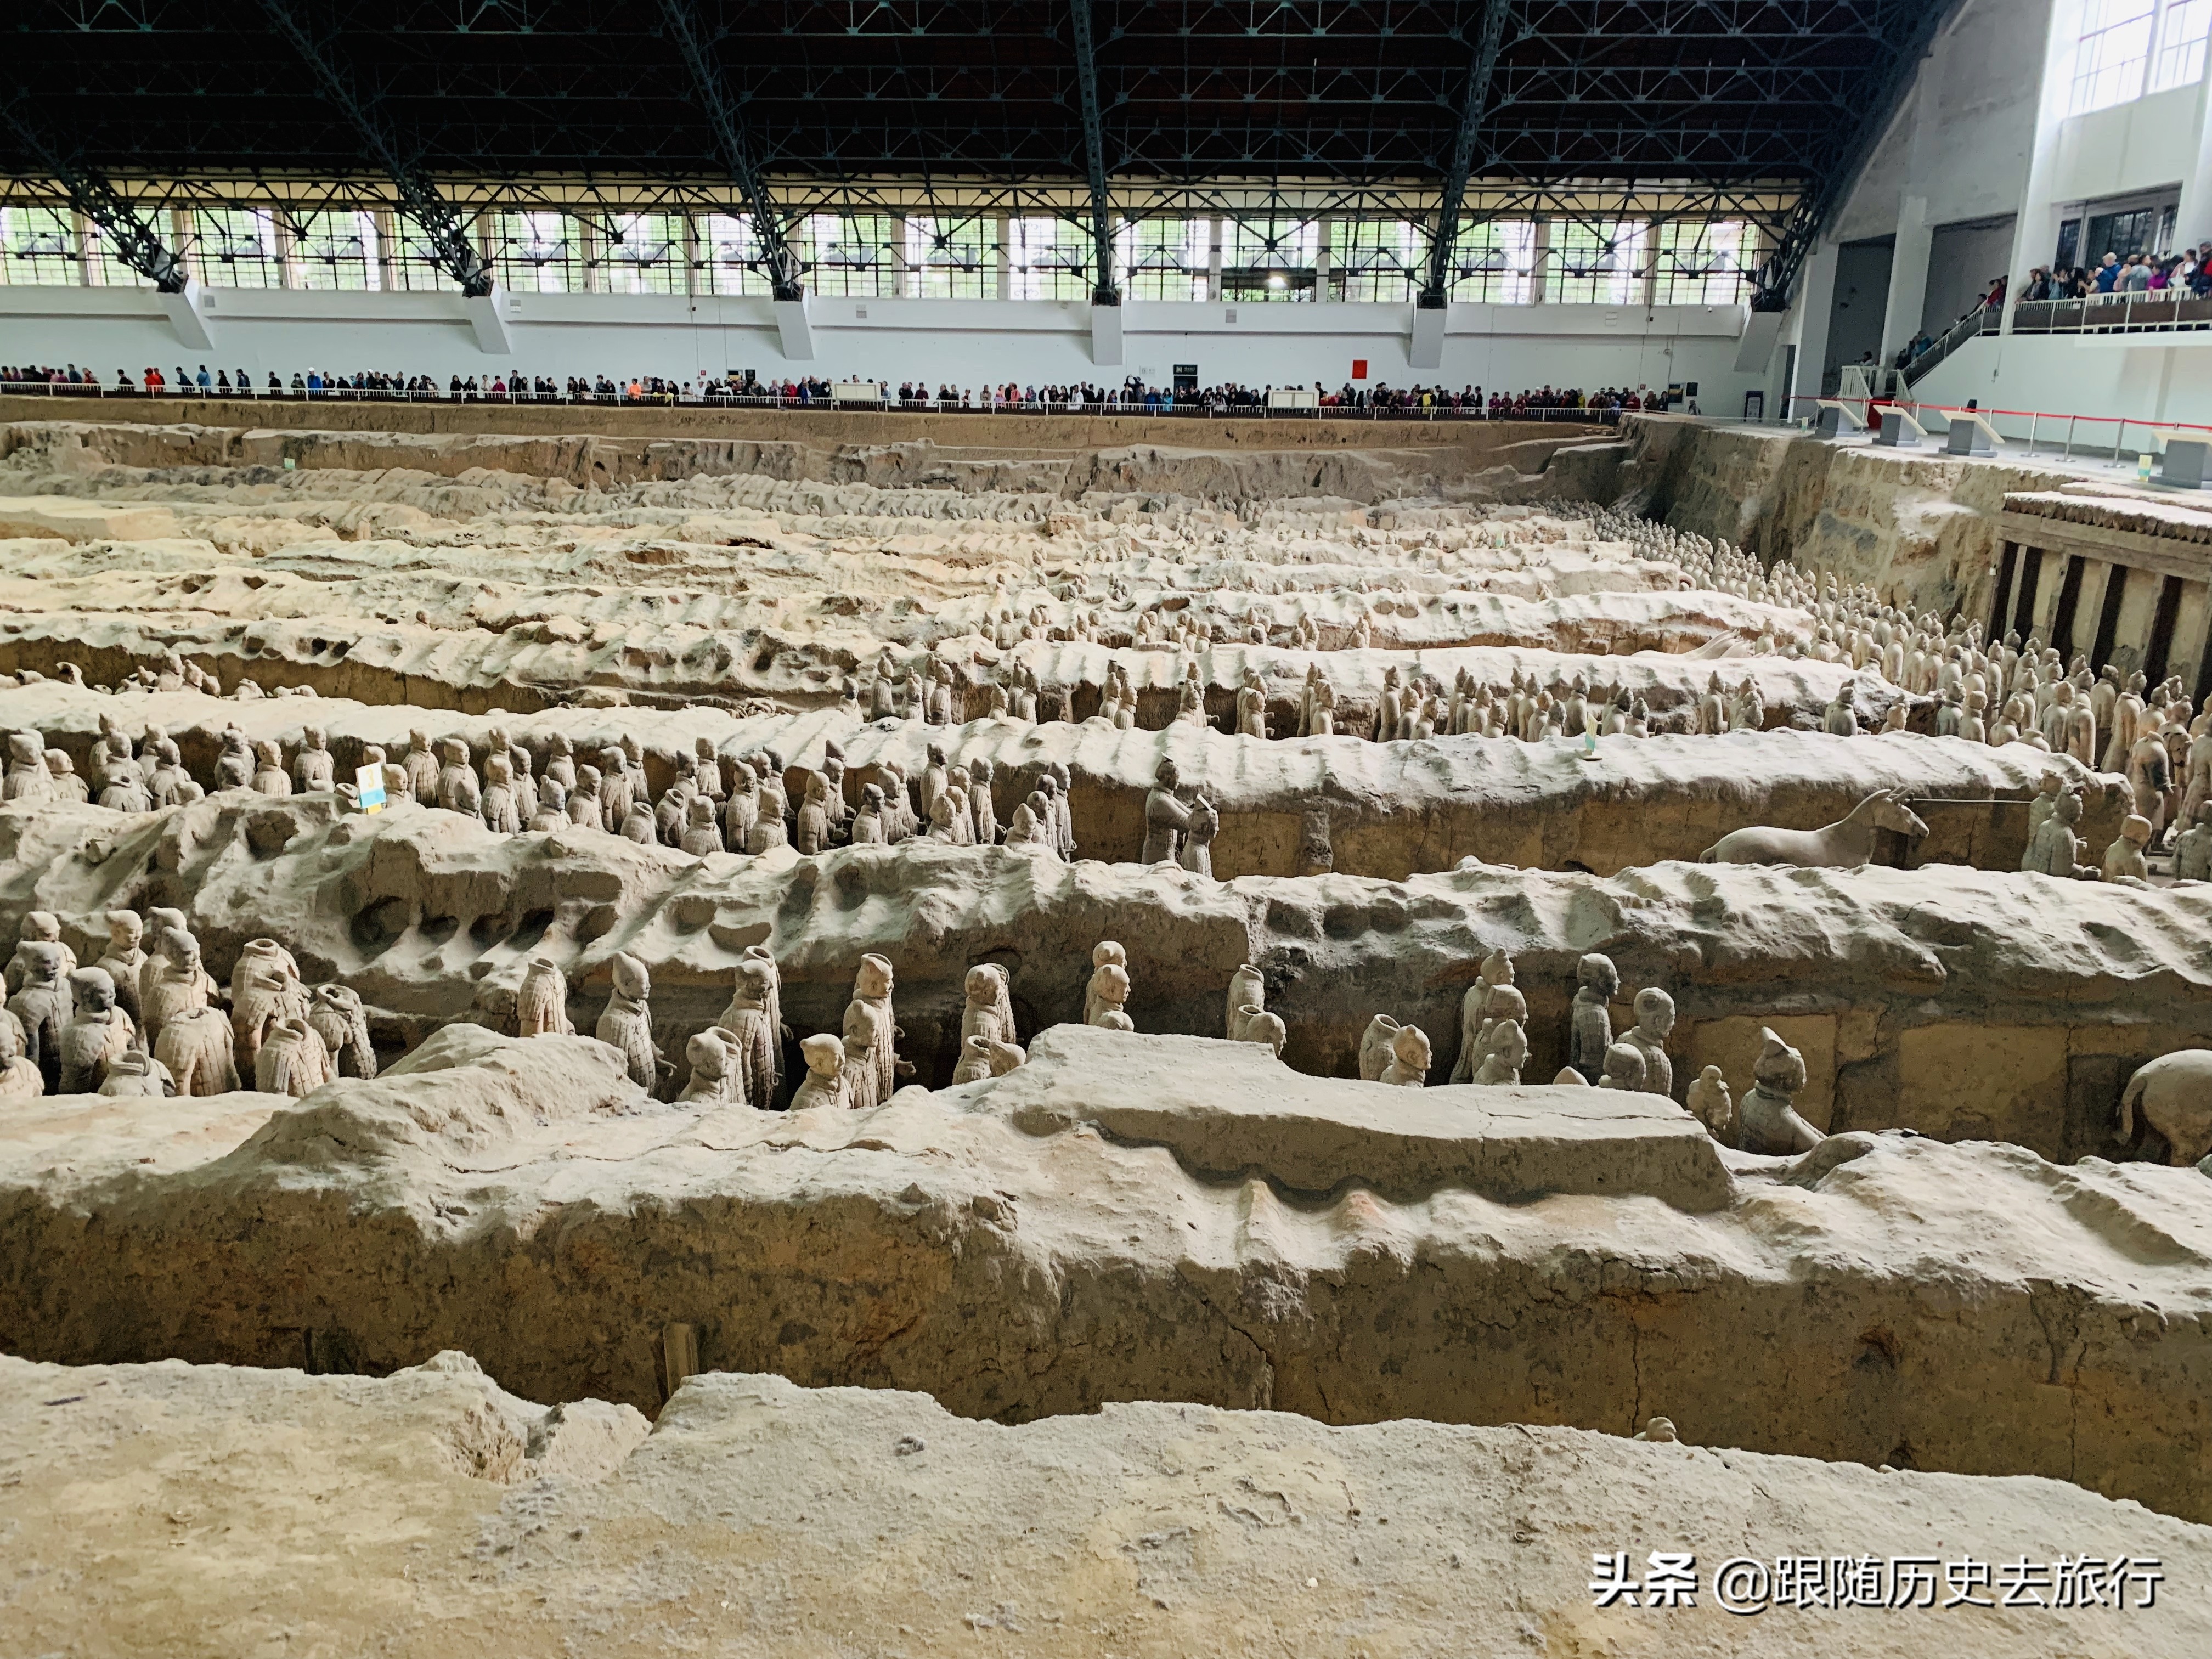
{"x": 369, "y": 781}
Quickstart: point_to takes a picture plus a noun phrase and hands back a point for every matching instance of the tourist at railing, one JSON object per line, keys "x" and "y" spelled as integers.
{"x": 1133, "y": 396}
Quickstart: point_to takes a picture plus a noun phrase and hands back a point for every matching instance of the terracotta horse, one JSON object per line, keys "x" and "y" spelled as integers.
{"x": 1847, "y": 843}
{"x": 2174, "y": 1094}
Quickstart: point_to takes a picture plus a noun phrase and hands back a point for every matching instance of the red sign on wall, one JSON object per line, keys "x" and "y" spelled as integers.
{"x": 1360, "y": 369}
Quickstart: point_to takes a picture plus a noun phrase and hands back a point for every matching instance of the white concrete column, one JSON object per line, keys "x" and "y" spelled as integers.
{"x": 1213, "y": 260}
{"x": 1651, "y": 229}
{"x": 1002, "y": 254}
{"x": 187, "y": 243}
{"x": 1908, "y": 277}
{"x": 88, "y": 236}
{"x": 482, "y": 224}
{"x": 2035, "y": 232}
{"x": 1540, "y": 264}
{"x": 388, "y": 249}
{"x": 2193, "y": 221}
{"x": 591, "y": 248}
{"x": 1324, "y": 257}
{"x": 287, "y": 247}
{"x": 1924, "y": 167}
{"x": 1816, "y": 301}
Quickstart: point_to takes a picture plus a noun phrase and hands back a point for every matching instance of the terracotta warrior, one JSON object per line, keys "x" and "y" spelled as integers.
{"x": 1505, "y": 1051}
{"x": 2056, "y": 849}
{"x": 541, "y": 1004}
{"x": 233, "y": 766}
{"x": 1767, "y": 1121}
{"x": 1590, "y": 1033}
{"x": 1103, "y": 955}
{"x": 701, "y": 835}
{"x": 2124, "y": 858}
{"x": 97, "y": 1034}
{"x": 749, "y": 1023}
{"x": 124, "y": 959}
{"x": 1166, "y": 816}
{"x": 264, "y": 987}
{"x": 1111, "y": 986}
{"x": 627, "y": 1023}
{"x": 423, "y": 768}
{"x": 1711, "y": 1105}
{"x": 1205, "y": 822}
{"x": 1255, "y": 1025}
{"x": 2192, "y": 848}
{"x": 1247, "y": 990}
{"x": 981, "y": 1057}
{"x": 1474, "y": 1013}
{"x": 292, "y": 1060}
{"x": 163, "y": 990}
{"x": 1624, "y": 1068}
{"x": 132, "y": 1076}
{"x": 314, "y": 767}
{"x": 42, "y": 1009}
{"x": 1409, "y": 1059}
{"x": 718, "y": 1073}
{"x": 40, "y": 928}
{"x": 20, "y": 1078}
{"x": 194, "y": 1041}
{"x": 1654, "y": 1019}
{"x": 873, "y": 1065}
{"x": 336, "y": 1013}
{"x": 1376, "y": 1046}
{"x": 824, "y": 1083}
{"x": 989, "y": 1012}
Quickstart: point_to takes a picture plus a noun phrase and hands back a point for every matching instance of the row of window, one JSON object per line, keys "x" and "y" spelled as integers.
{"x": 2130, "y": 47}
{"x": 1674, "y": 262}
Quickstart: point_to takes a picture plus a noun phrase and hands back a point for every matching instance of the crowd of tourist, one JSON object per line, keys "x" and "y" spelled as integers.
{"x": 1132, "y": 394}
{"x": 2185, "y": 275}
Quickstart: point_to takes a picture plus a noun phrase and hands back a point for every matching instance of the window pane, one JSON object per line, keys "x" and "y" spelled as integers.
{"x": 236, "y": 247}
{"x": 1702, "y": 262}
{"x": 851, "y": 255}
{"x": 2110, "y": 57}
{"x": 335, "y": 251}
{"x": 39, "y": 246}
{"x": 1493, "y": 262}
{"x": 1165, "y": 259}
{"x": 1378, "y": 261}
{"x": 2181, "y": 33}
{"x": 643, "y": 253}
{"x": 536, "y": 252}
{"x": 412, "y": 267}
{"x": 731, "y": 253}
{"x": 948, "y": 259}
{"x": 1268, "y": 258}
{"x": 1049, "y": 259}
{"x": 1598, "y": 262}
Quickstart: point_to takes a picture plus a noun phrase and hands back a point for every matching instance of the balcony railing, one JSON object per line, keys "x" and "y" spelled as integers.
{"x": 1191, "y": 408}
{"x": 2112, "y": 313}
{"x": 1987, "y": 321}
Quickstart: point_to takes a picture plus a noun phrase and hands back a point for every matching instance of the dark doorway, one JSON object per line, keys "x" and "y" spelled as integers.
{"x": 2162, "y": 629}
{"x": 2108, "y": 616}
{"x": 2069, "y": 597}
{"x": 2023, "y": 614}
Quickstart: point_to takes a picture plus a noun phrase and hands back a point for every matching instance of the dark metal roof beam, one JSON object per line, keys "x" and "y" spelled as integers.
{"x": 1103, "y": 290}
{"x": 1436, "y": 285}
{"x": 134, "y": 242}
{"x": 784, "y": 269}
{"x": 1833, "y": 187}
{"x": 452, "y": 250}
